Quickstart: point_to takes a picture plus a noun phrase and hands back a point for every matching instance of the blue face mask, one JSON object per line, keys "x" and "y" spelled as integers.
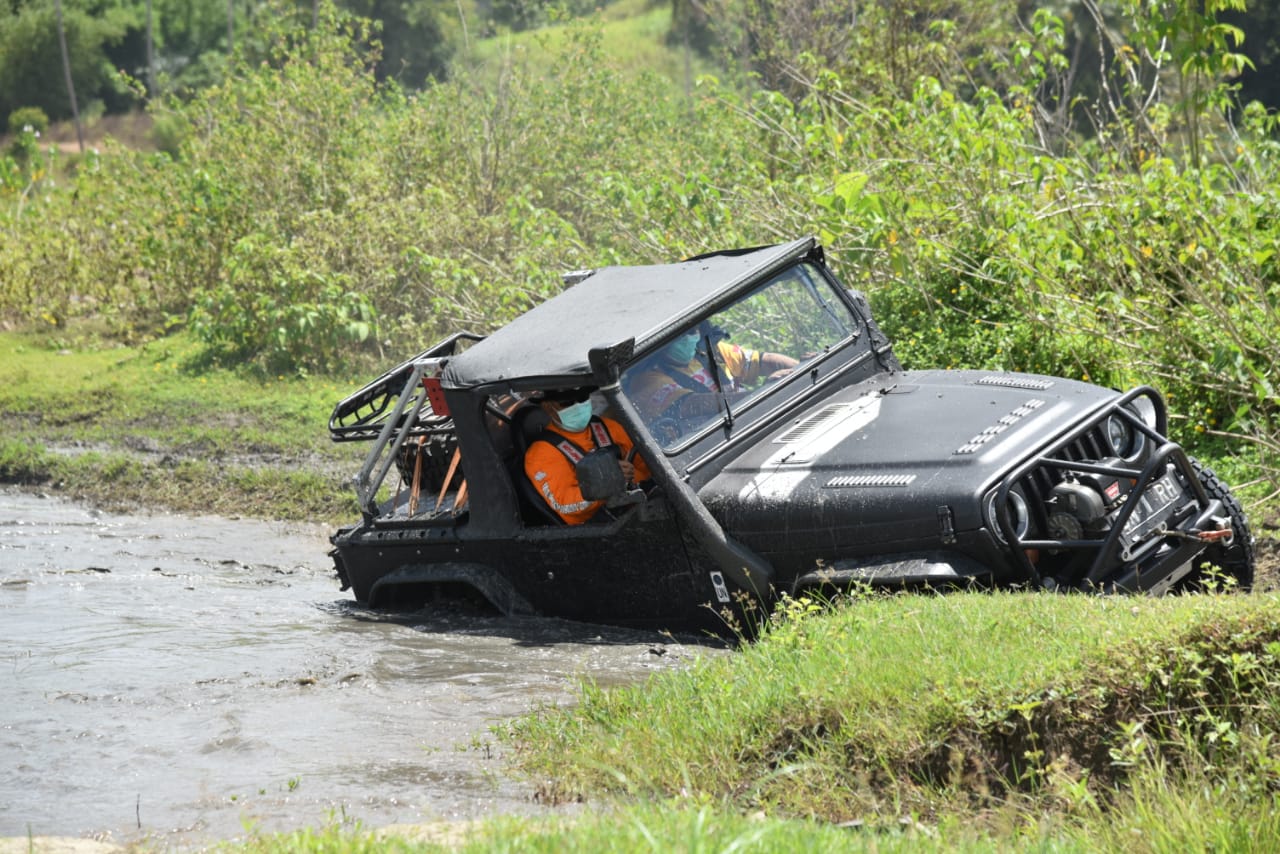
{"x": 681, "y": 350}
{"x": 575, "y": 416}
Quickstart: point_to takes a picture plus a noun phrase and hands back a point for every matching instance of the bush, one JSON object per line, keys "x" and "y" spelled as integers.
{"x": 28, "y": 118}
{"x": 309, "y": 217}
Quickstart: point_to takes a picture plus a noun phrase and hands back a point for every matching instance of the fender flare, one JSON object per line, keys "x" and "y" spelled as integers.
{"x": 487, "y": 581}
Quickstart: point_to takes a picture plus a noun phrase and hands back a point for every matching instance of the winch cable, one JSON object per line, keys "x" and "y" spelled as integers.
{"x": 1203, "y": 536}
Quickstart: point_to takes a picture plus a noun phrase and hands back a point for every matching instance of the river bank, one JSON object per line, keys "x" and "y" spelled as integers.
{"x": 143, "y": 429}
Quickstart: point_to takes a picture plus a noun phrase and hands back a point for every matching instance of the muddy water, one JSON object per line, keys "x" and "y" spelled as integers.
{"x": 179, "y": 679}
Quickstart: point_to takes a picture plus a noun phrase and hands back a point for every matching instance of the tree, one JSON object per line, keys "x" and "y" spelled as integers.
{"x": 30, "y": 55}
{"x": 414, "y": 46}
{"x": 1168, "y": 70}
{"x": 1260, "y": 23}
{"x": 66, "y": 71}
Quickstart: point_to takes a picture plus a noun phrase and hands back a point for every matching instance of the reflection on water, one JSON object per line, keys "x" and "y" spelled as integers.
{"x": 180, "y": 678}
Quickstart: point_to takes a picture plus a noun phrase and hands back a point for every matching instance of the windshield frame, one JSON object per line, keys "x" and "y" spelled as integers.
{"x": 764, "y": 317}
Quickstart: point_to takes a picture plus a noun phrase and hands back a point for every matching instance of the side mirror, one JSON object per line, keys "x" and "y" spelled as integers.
{"x": 599, "y": 476}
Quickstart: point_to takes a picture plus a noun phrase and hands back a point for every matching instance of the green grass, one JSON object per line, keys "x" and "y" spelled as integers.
{"x": 1169, "y": 819}
{"x": 149, "y": 427}
{"x": 641, "y": 827}
{"x": 922, "y": 705}
{"x": 632, "y": 38}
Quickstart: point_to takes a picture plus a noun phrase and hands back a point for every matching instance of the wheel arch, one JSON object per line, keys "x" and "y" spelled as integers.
{"x": 492, "y": 585}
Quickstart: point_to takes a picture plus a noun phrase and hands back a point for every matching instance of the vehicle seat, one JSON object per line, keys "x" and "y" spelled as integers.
{"x": 527, "y": 423}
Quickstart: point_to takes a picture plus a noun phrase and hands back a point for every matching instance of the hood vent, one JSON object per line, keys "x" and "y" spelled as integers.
{"x": 852, "y": 481}
{"x": 1015, "y": 382}
{"x": 813, "y": 425}
{"x": 821, "y": 431}
{"x": 975, "y": 444}
{"x": 819, "y": 421}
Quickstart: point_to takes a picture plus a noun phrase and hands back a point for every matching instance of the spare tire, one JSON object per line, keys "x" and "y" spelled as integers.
{"x": 436, "y": 451}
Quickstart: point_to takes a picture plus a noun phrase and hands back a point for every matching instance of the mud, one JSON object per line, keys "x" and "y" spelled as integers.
{"x": 180, "y": 680}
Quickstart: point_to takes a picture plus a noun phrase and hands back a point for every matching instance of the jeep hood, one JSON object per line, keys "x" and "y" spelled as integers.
{"x": 875, "y": 462}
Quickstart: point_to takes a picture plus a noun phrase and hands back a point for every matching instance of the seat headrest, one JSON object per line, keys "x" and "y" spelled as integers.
{"x": 529, "y": 421}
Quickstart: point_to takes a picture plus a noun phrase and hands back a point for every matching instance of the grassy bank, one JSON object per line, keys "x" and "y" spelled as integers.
{"x": 149, "y": 427}
{"x": 959, "y": 723}
{"x": 929, "y": 706}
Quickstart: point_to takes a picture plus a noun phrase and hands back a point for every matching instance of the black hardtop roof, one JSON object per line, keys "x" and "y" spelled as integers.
{"x": 547, "y": 346}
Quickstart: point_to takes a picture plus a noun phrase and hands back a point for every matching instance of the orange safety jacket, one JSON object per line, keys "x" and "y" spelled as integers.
{"x": 549, "y": 465}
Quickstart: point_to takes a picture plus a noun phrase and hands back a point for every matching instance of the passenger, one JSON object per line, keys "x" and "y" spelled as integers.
{"x": 664, "y": 388}
{"x": 574, "y": 432}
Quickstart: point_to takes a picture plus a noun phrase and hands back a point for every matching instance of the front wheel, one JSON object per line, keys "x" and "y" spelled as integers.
{"x": 1233, "y": 560}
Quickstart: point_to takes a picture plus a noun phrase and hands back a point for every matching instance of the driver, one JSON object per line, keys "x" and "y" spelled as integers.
{"x": 572, "y": 433}
{"x": 664, "y": 388}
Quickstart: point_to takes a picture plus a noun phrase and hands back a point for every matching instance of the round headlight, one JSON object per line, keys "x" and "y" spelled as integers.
{"x": 1145, "y": 409}
{"x": 1125, "y": 439}
{"x": 1120, "y": 435}
{"x": 1019, "y": 515}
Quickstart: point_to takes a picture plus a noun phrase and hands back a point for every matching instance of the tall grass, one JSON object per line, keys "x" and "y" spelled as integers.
{"x": 920, "y": 705}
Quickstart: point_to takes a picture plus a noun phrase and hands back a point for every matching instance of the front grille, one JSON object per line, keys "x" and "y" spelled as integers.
{"x": 1038, "y": 484}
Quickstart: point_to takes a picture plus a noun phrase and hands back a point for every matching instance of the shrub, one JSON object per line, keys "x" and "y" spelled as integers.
{"x": 308, "y": 217}
{"x": 28, "y": 118}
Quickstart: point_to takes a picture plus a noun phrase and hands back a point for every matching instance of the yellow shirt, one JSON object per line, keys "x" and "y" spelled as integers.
{"x": 656, "y": 389}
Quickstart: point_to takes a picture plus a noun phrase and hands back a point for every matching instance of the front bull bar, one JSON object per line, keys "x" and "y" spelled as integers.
{"x": 1194, "y": 536}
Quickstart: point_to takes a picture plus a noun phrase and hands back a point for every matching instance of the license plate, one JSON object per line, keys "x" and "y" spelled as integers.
{"x": 1155, "y": 506}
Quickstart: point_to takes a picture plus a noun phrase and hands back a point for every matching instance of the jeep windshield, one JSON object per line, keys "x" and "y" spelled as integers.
{"x": 719, "y": 366}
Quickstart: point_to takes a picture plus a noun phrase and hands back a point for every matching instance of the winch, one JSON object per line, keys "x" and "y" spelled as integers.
{"x": 1082, "y": 502}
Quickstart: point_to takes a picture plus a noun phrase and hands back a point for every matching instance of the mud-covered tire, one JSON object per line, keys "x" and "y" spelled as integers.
{"x": 437, "y": 455}
{"x": 1234, "y": 560}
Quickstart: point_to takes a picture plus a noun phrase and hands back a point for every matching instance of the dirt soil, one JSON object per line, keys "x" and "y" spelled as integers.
{"x": 1267, "y": 577}
{"x": 132, "y": 130}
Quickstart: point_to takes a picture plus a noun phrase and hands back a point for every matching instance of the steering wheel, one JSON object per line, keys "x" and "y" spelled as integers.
{"x": 665, "y": 429}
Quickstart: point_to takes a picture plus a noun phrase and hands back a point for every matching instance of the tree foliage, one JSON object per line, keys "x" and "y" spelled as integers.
{"x": 107, "y": 42}
{"x": 1260, "y": 23}
{"x": 30, "y": 59}
{"x": 318, "y": 214}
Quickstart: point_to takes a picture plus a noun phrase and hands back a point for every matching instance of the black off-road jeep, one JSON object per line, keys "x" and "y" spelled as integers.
{"x": 841, "y": 468}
